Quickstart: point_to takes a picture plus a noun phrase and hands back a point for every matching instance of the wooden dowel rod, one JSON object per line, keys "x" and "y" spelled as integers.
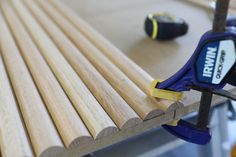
{"x": 41, "y": 130}
{"x": 141, "y": 78}
{"x": 58, "y": 104}
{"x": 95, "y": 118}
{"x": 143, "y": 105}
{"x": 13, "y": 137}
{"x": 143, "y": 81}
{"x": 114, "y": 105}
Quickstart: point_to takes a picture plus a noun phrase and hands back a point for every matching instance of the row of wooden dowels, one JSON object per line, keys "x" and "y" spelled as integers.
{"x": 62, "y": 83}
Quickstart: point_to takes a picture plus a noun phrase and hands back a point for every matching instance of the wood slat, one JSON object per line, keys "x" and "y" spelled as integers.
{"x": 58, "y": 104}
{"x": 141, "y": 78}
{"x": 95, "y": 118}
{"x": 145, "y": 107}
{"x": 42, "y": 133}
{"x": 120, "y": 136}
{"x": 13, "y": 137}
{"x": 111, "y": 101}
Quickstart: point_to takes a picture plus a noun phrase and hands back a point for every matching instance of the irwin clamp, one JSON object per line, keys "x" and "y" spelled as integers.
{"x": 210, "y": 68}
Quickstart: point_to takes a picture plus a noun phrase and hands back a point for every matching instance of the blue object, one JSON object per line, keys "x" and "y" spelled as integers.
{"x": 189, "y": 132}
{"x": 210, "y": 67}
{"x": 192, "y": 72}
{"x": 231, "y": 21}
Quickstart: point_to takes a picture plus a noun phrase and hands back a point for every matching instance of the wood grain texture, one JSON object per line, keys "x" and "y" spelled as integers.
{"x": 59, "y": 106}
{"x": 143, "y": 105}
{"x": 13, "y": 137}
{"x": 95, "y": 118}
{"x": 114, "y": 105}
{"x": 118, "y": 137}
{"x": 152, "y": 56}
{"x": 42, "y": 133}
{"x": 141, "y": 78}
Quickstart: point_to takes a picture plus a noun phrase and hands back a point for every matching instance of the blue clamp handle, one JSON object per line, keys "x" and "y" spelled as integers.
{"x": 190, "y": 76}
{"x": 187, "y": 76}
{"x": 188, "y": 132}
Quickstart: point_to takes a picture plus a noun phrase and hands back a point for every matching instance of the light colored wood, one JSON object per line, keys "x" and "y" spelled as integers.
{"x": 59, "y": 106}
{"x": 13, "y": 137}
{"x": 143, "y": 105}
{"x": 42, "y": 133}
{"x": 152, "y": 56}
{"x": 131, "y": 69}
{"x": 143, "y": 81}
{"x": 136, "y": 130}
{"x": 122, "y": 23}
{"x": 233, "y": 5}
{"x": 202, "y": 3}
{"x": 114, "y": 105}
{"x": 118, "y": 137}
{"x": 159, "y": 59}
{"x": 206, "y": 5}
{"x": 147, "y": 125}
{"x": 95, "y": 118}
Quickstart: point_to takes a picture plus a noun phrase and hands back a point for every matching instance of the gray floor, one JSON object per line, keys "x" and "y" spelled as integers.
{"x": 189, "y": 150}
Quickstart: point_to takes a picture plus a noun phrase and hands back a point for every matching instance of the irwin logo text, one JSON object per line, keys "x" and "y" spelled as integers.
{"x": 209, "y": 62}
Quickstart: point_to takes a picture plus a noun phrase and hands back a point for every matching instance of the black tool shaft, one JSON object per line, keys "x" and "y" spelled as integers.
{"x": 219, "y": 24}
{"x": 220, "y": 16}
{"x": 204, "y": 109}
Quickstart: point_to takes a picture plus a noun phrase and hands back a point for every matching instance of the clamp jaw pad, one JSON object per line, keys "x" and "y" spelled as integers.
{"x": 164, "y": 94}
